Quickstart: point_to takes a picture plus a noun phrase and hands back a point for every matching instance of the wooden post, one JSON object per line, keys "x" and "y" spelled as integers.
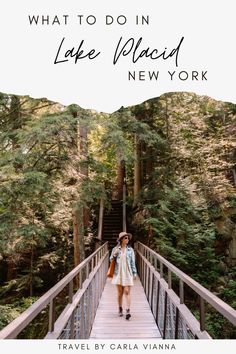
{"x": 165, "y": 316}
{"x": 51, "y": 316}
{"x": 158, "y": 298}
{"x": 176, "y": 323}
{"x": 169, "y": 279}
{"x": 88, "y": 311}
{"x": 96, "y": 290}
{"x": 100, "y": 220}
{"x": 72, "y": 325}
{"x": 161, "y": 269}
{"x": 87, "y": 270}
{"x": 144, "y": 276}
{"x": 152, "y": 292}
{"x": 155, "y": 263}
{"x": 93, "y": 309}
{"x": 71, "y": 286}
{"x": 80, "y": 278}
{"x": 82, "y": 322}
{"x": 202, "y": 314}
{"x": 181, "y": 291}
{"x": 141, "y": 269}
{"x": 148, "y": 282}
{"x": 92, "y": 263}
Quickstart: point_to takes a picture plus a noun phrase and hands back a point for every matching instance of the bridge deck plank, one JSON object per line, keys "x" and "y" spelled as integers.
{"x": 108, "y": 325}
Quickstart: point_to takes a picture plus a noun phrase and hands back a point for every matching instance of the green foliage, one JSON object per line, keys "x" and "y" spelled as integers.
{"x": 232, "y": 201}
{"x": 9, "y": 312}
{"x": 35, "y": 148}
{"x": 183, "y": 234}
{"x": 215, "y": 323}
{"x": 25, "y": 202}
{"x": 232, "y": 108}
{"x": 189, "y": 197}
{"x": 229, "y": 292}
{"x": 185, "y": 148}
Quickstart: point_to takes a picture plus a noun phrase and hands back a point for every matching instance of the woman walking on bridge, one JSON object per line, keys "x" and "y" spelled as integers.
{"x": 125, "y": 271}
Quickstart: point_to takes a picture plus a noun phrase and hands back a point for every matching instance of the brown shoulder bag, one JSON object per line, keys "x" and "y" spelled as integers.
{"x": 111, "y": 269}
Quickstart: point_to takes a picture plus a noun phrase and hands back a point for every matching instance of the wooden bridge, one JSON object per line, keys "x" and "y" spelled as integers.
{"x": 108, "y": 325}
{"x": 158, "y": 311}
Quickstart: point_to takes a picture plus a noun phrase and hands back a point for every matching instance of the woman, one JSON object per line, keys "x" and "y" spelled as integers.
{"x": 125, "y": 270}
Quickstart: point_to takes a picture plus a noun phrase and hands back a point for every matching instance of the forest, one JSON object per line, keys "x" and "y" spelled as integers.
{"x": 177, "y": 155}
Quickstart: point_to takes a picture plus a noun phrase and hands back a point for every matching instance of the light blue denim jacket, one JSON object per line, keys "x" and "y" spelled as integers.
{"x": 130, "y": 258}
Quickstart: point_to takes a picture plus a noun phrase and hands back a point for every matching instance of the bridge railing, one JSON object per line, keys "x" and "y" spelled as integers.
{"x": 85, "y": 284}
{"x": 172, "y": 316}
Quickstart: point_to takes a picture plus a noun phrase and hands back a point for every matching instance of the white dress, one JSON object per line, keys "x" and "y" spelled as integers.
{"x": 123, "y": 277}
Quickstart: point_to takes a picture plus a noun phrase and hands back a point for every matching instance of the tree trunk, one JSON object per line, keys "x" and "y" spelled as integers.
{"x": 83, "y": 151}
{"x": 78, "y": 235}
{"x": 120, "y": 178}
{"x": 234, "y": 176}
{"x": 149, "y": 163}
{"x": 11, "y": 273}
{"x": 78, "y": 241}
{"x": 76, "y": 238}
{"x": 31, "y": 270}
{"x": 137, "y": 167}
{"x": 83, "y": 147}
{"x": 167, "y": 122}
{"x": 100, "y": 220}
{"x": 16, "y": 123}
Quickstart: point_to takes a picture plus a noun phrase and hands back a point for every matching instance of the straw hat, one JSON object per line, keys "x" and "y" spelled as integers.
{"x": 122, "y": 234}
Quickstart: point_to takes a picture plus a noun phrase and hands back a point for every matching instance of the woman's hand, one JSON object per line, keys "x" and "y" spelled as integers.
{"x": 115, "y": 254}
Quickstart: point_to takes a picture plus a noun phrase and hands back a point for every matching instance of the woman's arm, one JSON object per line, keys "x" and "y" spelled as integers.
{"x": 133, "y": 266}
{"x": 114, "y": 253}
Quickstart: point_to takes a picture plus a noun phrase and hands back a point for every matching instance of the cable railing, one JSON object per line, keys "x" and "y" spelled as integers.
{"x": 173, "y": 317}
{"x": 84, "y": 286}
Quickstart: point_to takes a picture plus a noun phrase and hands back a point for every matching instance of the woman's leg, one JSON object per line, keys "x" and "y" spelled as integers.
{"x": 127, "y": 297}
{"x": 120, "y": 291}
